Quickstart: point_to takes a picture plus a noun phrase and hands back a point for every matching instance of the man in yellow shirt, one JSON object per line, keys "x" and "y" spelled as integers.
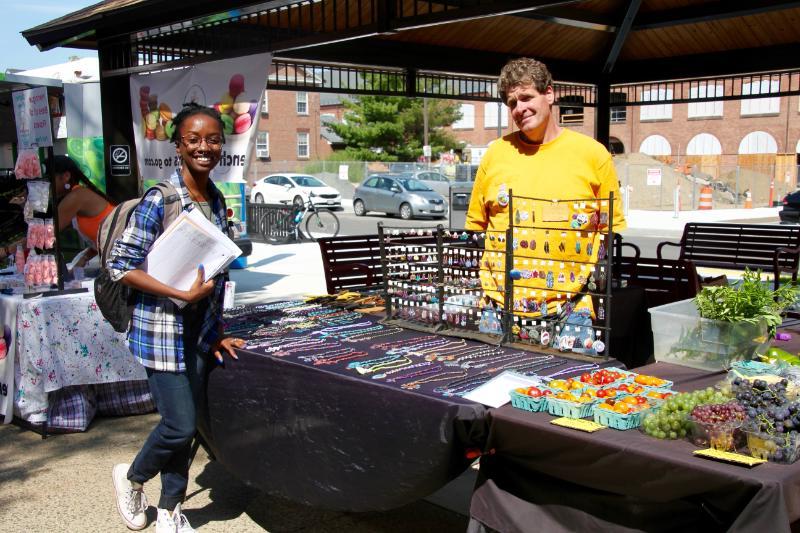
{"x": 560, "y": 180}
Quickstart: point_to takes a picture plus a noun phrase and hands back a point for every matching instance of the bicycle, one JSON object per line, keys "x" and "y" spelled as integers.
{"x": 283, "y": 226}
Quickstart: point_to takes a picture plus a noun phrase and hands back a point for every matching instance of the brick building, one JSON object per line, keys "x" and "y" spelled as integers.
{"x": 761, "y": 134}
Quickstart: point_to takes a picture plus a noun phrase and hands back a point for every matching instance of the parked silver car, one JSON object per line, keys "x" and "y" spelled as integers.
{"x": 398, "y": 194}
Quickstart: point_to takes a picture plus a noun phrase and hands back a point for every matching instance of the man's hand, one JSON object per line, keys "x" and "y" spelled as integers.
{"x": 226, "y": 344}
{"x": 199, "y": 288}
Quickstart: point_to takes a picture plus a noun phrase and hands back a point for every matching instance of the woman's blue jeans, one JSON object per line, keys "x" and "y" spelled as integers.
{"x": 168, "y": 447}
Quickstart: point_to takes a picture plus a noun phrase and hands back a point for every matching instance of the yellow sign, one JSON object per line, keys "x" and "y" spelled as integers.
{"x": 729, "y": 457}
{"x": 578, "y": 423}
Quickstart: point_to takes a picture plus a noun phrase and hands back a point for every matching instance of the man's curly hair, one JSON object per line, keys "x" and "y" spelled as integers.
{"x": 523, "y": 71}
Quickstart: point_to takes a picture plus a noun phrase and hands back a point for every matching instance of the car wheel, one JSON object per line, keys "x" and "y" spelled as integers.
{"x": 405, "y": 211}
{"x": 359, "y": 208}
{"x": 298, "y": 202}
{"x": 259, "y": 198}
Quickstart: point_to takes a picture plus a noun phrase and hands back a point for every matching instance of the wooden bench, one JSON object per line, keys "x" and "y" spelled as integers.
{"x": 354, "y": 262}
{"x": 769, "y": 247}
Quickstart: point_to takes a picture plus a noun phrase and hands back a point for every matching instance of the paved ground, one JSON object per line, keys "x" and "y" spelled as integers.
{"x": 63, "y": 484}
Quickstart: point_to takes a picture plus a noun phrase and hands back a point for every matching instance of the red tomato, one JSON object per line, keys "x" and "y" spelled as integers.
{"x": 586, "y": 377}
{"x": 534, "y": 392}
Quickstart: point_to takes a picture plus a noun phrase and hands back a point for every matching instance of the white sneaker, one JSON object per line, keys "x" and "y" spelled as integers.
{"x": 131, "y": 503}
{"x": 174, "y": 522}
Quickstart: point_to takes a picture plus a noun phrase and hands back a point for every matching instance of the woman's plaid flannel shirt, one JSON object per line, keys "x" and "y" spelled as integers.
{"x": 156, "y": 334}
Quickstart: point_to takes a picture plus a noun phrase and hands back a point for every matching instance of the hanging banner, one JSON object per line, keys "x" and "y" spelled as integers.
{"x": 32, "y": 116}
{"x": 234, "y": 87}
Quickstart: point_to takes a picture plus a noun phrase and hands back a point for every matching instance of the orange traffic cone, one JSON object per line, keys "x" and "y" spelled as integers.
{"x": 748, "y": 200}
{"x": 706, "y": 198}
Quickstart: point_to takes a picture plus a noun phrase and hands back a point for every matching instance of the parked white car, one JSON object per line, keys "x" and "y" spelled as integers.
{"x": 296, "y": 188}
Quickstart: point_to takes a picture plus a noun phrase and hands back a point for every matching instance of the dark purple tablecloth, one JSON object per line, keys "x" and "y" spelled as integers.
{"x": 566, "y": 480}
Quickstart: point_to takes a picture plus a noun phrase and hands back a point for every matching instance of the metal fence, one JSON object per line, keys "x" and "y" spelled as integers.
{"x": 268, "y": 222}
{"x": 658, "y": 186}
{"x": 646, "y": 183}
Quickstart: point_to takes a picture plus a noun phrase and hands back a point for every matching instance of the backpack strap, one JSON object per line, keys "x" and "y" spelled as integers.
{"x": 172, "y": 202}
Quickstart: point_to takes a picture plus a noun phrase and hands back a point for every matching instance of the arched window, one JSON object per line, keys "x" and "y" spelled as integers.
{"x": 758, "y": 142}
{"x": 704, "y": 144}
{"x": 615, "y": 146}
{"x": 655, "y": 145}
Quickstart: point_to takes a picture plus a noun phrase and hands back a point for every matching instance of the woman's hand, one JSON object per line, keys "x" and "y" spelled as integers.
{"x": 226, "y": 344}
{"x": 199, "y": 288}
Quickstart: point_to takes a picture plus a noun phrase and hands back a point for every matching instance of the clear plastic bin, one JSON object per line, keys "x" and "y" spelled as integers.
{"x": 681, "y": 337}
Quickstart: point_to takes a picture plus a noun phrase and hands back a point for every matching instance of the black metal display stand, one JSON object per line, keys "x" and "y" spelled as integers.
{"x": 432, "y": 280}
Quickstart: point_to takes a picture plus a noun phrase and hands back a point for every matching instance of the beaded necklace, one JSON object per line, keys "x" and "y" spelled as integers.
{"x": 369, "y": 337}
{"x": 383, "y": 375}
{"x": 297, "y": 342}
{"x": 413, "y": 348}
{"x": 466, "y": 384}
{"x": 338, "y": 359}
{"x": 328, "y": 354}
{"x": 368, "y": 369}
{"x": 469, "y": 352}
{"x": 438, "y": 377}
{"x": 574, "y": 370}
{"x": 396, "y": 344}
{"x": 416, "y": 374}
{"x": 330, "y": 329}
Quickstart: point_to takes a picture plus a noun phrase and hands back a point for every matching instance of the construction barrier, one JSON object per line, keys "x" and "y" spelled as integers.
{"x": 706, "y": 198}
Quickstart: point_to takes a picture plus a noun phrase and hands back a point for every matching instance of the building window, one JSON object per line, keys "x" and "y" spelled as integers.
{"x": 655, "y": 145}
{"x": 656, "y": 111}
{"x": 467, "y": 120}
{"x": 705, "y": 109}
{"x": 570, "y": 109}
{"x": 262, "y": 144}
{"x": 761, "y": 106}
{"x": 619, "y": 113}
{"x": 302, "y": 144}
{"x": 265, "y": 104}
{"x": 490, "y": 110}
{"x": 302, "y": 103}
{"x": 704, "y": 144}
{"x": 758, "y": 142}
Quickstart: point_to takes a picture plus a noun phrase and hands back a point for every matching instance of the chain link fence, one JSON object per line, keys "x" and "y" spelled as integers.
{"x": 645, "y": 182}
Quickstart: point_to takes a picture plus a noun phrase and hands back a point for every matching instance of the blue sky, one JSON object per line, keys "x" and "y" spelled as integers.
{"x": 21, "y": 15}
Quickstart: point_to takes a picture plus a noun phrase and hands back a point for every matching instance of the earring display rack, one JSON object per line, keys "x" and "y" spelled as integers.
{"x": 540, "y": 284}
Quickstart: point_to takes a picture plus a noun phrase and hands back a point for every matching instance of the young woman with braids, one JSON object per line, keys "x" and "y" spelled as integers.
{"x": 173, "y": 344}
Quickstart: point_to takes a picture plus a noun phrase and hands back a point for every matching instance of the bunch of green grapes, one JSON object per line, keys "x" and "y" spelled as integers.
{"x": 670, "y": 421}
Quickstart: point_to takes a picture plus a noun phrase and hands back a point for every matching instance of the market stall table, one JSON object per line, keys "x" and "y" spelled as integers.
{"x": 58, "y": 346}
{"x": 327, "y": 436}
{"x": 566, "y": 480}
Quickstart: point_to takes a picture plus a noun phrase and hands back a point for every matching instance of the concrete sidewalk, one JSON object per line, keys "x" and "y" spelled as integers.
{"x": 63, "y": 484}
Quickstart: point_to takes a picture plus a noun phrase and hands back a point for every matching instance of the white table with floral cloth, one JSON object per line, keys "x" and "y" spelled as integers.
{"x": 70, "y": 363}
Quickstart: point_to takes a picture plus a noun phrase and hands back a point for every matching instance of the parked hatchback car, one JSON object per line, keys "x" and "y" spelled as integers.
{"x": 398, "y": 194}
{"x": 790, "y": 213}
{"x": 435, "y": 180}
{"x": 297, "y": 188}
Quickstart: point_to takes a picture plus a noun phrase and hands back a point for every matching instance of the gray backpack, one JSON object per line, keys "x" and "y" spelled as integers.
{"x": 114, "y": 299}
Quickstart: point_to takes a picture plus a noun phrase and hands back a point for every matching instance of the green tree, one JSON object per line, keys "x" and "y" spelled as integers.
{"x": 391, "y": 128}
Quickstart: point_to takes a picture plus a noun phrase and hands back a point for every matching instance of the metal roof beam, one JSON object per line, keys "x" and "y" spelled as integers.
{"x": 570, "y": 16}
{"x": 709, "y": 12}
{"x": 622, "y": 35}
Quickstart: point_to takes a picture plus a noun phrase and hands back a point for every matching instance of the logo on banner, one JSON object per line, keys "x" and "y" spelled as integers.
{"x": 120, "y": 156}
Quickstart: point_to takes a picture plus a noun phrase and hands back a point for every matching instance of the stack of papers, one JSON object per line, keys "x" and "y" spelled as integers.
{"x": 191, "y": 240}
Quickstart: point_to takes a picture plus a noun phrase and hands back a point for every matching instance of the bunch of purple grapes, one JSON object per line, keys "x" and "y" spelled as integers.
{"x": 730, "y": 412}
{"x": 767, "y": 408}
